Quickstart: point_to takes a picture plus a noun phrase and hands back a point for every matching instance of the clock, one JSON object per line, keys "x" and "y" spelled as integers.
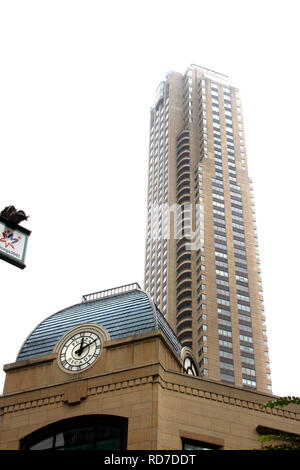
{"x": 188, "y": 362}
{"x": 189, "y": 366}
{"x": 80, "y": 347}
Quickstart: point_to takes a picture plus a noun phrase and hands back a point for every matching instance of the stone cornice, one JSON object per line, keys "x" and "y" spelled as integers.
{"x": 226, "y": 399}
{"x": 196, "y": 387}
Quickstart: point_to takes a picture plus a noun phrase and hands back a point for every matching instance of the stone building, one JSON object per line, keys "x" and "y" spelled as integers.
{"x": 109, "y": 373}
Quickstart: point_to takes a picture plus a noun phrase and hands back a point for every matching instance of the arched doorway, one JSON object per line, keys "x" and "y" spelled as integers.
{"x": 88, "y": 432}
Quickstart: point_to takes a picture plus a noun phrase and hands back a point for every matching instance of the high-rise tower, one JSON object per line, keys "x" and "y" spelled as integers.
{"x": 202, "y": 264}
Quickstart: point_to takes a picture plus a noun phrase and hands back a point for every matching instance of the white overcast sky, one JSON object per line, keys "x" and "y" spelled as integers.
{"x": 77, "y": 80}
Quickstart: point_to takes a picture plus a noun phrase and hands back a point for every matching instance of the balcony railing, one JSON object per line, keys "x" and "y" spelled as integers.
{"x": 110, "y": 292}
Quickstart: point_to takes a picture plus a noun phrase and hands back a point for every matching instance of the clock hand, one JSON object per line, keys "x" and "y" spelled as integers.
{"x": 79, "y": 351}
{"x": 88, "y": 344}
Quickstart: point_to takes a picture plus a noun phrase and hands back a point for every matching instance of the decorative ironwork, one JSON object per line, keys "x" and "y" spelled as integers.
{"x": 110, "y": 292}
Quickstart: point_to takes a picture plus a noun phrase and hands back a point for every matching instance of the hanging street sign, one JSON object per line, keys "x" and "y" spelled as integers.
{"x": 13, "y": 242}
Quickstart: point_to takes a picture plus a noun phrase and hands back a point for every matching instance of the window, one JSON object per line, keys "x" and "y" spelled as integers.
{"x": 225, "y": 377}
{"x": 250, "y": 383}
{"x": 224, "y": 332}
{"x": 93, "y": 432}
{"x": 245, "y": 338}
{"x": 247, "y": 371}
{"x": 188, "y": 444}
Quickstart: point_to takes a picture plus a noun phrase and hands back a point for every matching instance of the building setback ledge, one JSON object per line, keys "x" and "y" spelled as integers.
{"x": 265, "y": 430}
{"x": 36, "y": 361}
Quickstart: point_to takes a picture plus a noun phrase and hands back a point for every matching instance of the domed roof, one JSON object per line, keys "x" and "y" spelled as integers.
{"x": 124, "y": 311}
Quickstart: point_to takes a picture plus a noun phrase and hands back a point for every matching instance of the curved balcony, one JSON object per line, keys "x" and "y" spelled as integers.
{"x": 183, "y": 137}
{"x": 184, "y": 316}
{"x": 185, "y": 176}
{"x": 184, "y": 131}
{"x": 183, "y": 192}
{"x": 187, "y": 343}
{"x": 185, "y": 276}
{"x": 181, "y": 242}
{"x": 184, "y": 134}
{"x": 185, "y": 184}
{"x": 181, "y": 249}
{"x": 183, "y": 257}
{"x": 185, "y": 325}
{"x": 183, "y": 151}
{"x": 185, "y": 336}
{"x": 185, "y": 218}
{"x": 184, "y": 295}
{"x": 184, "y": 285}
{"x": 185, "y": 304}
{"x": 183, "y": 200}
{"x": 184, "y": 148}
{"x": 182, "y": 162}
{"x": 183, "y": 144}
{"x": 183, "y": 222}
{"x": 184, "y": 169}
{"x": 184, "y": 267}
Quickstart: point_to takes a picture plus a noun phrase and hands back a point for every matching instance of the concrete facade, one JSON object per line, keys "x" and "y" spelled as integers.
{"x": 202, "y": 265}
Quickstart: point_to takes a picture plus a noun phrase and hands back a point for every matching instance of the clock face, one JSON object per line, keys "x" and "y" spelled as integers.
{"x": 189, "y": 366}
{"x": 80, "y": 351}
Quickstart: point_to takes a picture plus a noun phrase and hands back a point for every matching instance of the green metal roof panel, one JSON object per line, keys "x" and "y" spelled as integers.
{"x": 126, "y": 314}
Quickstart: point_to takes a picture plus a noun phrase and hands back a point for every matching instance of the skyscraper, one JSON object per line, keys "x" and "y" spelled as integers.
{"x": 202, "y": 264}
